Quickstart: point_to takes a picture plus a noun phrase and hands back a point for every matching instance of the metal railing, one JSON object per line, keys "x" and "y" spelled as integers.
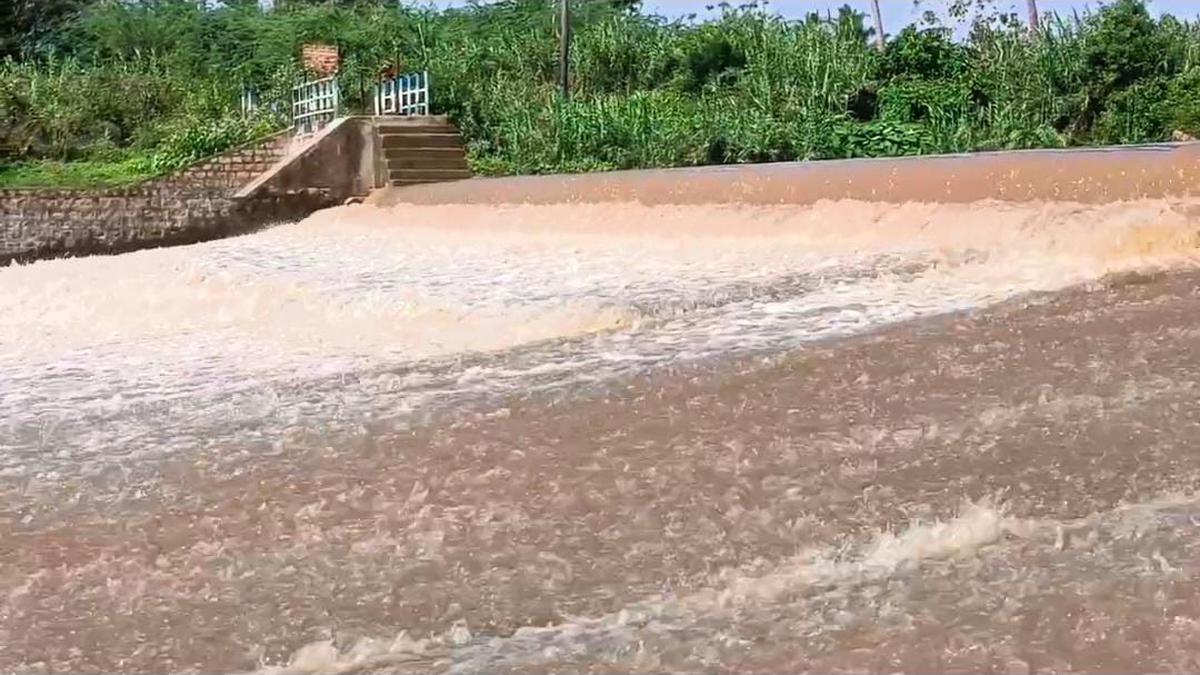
{"x": 406, "y": 94}
{"x": 314, "y": 104}
{"x": 249, "y": 101}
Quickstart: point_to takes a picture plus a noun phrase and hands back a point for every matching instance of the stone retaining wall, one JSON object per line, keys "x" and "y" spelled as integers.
{"x": 193, "y": 205}
{"x": 232, "y": 170}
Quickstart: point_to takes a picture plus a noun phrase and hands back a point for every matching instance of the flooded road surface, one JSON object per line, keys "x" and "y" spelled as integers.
{"x": 607, "y": 438}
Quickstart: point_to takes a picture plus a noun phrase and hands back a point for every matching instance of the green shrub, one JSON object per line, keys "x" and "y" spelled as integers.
{"x": 1183, "y": 103}
{"x": 881, "y": 139}
{"x": 61, "y": 108}
{"x": 194, "y": 140}
{"x": 929, "y": 54}
{"x": 1136, "y": 114}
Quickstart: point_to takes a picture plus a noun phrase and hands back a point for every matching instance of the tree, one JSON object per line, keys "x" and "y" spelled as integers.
{"x": 849, "y": 23}
{"x": 878, "y": 16}
{"x": 853, "y": 23}
{"x": 25, "y": 24}
{"x": 977, "y": 13}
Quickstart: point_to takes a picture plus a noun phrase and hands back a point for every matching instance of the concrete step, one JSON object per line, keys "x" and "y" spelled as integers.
{"x": 415, "y": 182}
{"x": 401, "y": 121}
{"x": 422, "y": 140}
{"x": 445, "y": 160}
{"x": 414, "y": 130}
{"x": 425, "y": 153}
{"x": 399, "y": 176}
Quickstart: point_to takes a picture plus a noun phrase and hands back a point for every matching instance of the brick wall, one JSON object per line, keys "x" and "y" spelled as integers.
{"x": 230, "y": 171}
{"x": 193, "y": 205}
{"x": 321, "y": 59}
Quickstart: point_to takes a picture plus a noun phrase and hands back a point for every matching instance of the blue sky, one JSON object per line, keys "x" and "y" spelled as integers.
{"x": 898, "y": 12}
{"x": 902, "y": 12}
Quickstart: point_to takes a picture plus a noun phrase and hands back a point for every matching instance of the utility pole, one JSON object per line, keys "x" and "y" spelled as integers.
{"x": 1034, "y": 21}
{"x": 564, "y": 48}
{"x": 879, "y": 40}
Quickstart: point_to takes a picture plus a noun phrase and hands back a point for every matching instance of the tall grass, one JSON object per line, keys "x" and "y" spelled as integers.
{"x": 648, "y": 92}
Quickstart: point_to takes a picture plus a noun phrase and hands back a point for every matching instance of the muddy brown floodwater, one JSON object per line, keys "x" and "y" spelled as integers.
{"x": 839, "y": 437}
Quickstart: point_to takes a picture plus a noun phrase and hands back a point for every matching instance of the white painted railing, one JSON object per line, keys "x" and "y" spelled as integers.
{"x": 249, "y": 101}
{"x": 403, "y": 95}
{"x": 314, "y": 104}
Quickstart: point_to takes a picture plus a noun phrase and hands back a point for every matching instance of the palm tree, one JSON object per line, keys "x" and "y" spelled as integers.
{"x": 879, "y": 41}
{"x": 1033, "y": 16}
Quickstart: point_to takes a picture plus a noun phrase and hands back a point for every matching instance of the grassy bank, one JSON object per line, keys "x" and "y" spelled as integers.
{"x": 78, "y": 173}
{"x": 161, "y": 81}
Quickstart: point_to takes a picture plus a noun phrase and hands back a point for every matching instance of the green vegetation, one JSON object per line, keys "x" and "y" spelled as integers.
{"x": 117, "y": 90}
{"x": 80, "y": 173}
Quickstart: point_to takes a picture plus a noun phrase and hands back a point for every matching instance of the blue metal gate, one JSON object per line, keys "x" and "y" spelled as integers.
{"x": 406, "y": 94}
{"x": 314, "y": 104}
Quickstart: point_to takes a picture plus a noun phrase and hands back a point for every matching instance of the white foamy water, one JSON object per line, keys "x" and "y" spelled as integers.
{"x": 363, "y": 316}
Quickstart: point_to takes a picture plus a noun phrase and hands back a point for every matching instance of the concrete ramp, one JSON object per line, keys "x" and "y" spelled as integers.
{"x": 354, "y": 155}
{"x": 336, "y": 163}
{"x": 1083, "y": 175}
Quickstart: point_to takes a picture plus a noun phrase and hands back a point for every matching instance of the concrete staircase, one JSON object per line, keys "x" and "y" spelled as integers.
{"x": 419, "y": 150}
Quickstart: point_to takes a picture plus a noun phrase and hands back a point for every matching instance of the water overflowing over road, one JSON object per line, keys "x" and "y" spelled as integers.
{"x": 603, "y": 437}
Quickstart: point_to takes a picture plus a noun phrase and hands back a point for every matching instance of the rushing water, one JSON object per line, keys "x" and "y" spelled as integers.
{"x": 360, "y": 325}
{"x": 359, "y": 315}
{"x": 834, "y": 607}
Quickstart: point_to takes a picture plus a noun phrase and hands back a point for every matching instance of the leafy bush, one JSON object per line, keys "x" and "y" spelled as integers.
{"x": 710, "y": 58}
{"x": 1123, "y": 46}
{"x": 60, "y": 108}
{"x": 194, "y": 140}
{"x": 882, "y": 139}
{"x": 1136, "y": 114}
{"x": 929, "y": 54}
{"x": 1183, "y": 103}
{"x": 936, "y": 103}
